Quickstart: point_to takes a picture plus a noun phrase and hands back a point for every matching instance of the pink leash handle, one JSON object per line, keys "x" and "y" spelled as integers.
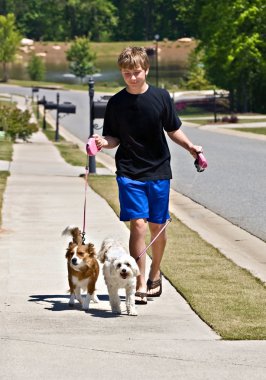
{"x": 153, "y": 240}
{"x": 201, "y": 162}
{"x": 91, "y": 147}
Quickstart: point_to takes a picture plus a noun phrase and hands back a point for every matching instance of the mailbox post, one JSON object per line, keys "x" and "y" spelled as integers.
{"x": 97, "y": 111}
{"x": 57, "y": 118}
{"x": 43, "y": 103}
{"x": 66, "y": 108}
{"x": 34, "y": 90}
{"x": 92, "y": 161}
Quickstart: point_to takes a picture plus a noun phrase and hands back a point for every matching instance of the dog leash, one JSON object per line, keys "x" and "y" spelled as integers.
{"x": 85, "y": 201}
{"x": 153, "y": 240}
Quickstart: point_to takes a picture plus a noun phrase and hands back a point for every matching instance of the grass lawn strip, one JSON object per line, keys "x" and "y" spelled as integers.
{"x": 3, "y": 180}
{"x": 259, "y": 130}
{"x": 6, "y": 150}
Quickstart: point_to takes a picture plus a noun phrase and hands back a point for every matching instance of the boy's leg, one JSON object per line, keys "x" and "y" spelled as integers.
{"x": 138, "y": 228}
{"x": 157, "y": 253}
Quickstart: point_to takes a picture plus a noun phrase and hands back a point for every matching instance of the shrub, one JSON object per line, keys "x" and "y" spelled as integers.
{"x": 16, "y": 123}
{"x": 36, "y": 68}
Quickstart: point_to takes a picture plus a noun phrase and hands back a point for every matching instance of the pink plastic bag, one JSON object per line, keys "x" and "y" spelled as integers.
{"x": 91, "y": 147}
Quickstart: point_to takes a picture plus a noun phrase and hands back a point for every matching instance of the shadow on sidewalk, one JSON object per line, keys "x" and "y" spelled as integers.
{"x": 59, "y": 302}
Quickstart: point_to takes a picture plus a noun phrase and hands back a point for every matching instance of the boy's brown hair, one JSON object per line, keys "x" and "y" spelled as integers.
{"x": 132, "y": 57}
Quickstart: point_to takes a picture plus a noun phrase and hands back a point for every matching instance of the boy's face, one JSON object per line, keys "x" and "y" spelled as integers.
{"x": 134, "y": 78}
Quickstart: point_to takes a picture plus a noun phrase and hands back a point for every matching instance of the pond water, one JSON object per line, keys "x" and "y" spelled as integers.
{"x": 168, "y": 72}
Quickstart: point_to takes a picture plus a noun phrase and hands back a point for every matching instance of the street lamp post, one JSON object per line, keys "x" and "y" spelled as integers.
{"x": 157, "y": 37}
{"x": 92, "y": 162}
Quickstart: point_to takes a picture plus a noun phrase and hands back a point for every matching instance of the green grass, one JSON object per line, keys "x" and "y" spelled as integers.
{"x": 259, "y": 130}
{"x": 6, "y": 150}
{"x": 3, "y": 179}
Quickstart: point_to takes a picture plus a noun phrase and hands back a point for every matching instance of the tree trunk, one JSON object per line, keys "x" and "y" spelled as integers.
{"x": 5, "y": 74}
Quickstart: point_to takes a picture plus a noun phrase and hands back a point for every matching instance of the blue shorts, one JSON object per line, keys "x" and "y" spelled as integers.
{"x": 144, "y": 199}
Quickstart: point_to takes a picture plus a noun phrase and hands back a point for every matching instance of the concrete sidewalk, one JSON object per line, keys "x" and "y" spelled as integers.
{"x": 41, "y": 337}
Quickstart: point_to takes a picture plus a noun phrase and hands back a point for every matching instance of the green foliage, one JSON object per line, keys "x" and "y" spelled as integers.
{"x": 16, "y": 123}
{"x": 196, "y": 77}
{"x": 81, "y": 58}
{"x": 57, "y": 20}
{"x": 233, "y": 38}
{"x": 232, "y": 35}
{"x": 9, "y": 41}
{"x": 36, "y": 68}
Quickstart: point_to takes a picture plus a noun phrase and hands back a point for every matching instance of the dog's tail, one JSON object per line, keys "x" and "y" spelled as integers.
{"x": 102, "y": 254}
{"x": 74, "y": 232}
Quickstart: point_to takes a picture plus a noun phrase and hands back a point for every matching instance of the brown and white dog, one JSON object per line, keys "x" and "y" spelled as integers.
{"x": 83, "y": 268}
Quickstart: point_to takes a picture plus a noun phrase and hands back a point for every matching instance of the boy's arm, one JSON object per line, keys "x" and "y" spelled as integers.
{"x": 107, "y": 142}
{"x": 181, "y": 139}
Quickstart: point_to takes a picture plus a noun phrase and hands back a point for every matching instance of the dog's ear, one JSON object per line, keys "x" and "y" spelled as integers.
{"x": 90, "y": 249}
{"x": 68, "y": 253}
{"x": 69, "y": 249}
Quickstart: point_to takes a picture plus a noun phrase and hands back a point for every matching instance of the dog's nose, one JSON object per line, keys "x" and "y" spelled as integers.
{"x": 74, "y": 261}
{"x": 123, "y": 270}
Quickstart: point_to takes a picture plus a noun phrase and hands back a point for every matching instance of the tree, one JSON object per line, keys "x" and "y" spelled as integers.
{"x": 196, "y": 74}
{"x": 96, "y": 18}
{"x": 9, "y": 42}
{"x": 81, "y": 58}
{"x": 59, "y": 20}
{"x": 36, "y": 68}
{"x": 233, "y": 38}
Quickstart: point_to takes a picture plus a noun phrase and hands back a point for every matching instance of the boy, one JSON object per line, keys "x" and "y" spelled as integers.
{"x": 135, "y": 121}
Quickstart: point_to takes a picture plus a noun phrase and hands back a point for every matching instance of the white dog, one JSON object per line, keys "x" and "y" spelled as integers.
{"x": 120, "y": 271}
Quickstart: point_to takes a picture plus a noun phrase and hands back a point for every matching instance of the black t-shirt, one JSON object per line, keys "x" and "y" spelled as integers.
{"x": 139, "y": 121}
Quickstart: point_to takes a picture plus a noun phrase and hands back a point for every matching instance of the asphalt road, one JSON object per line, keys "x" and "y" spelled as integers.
{"x": 233, "y": 186}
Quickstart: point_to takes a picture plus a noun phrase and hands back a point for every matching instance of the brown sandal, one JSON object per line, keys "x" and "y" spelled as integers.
{"x": 142, "y": 298}
{"x": 153, "y": 285}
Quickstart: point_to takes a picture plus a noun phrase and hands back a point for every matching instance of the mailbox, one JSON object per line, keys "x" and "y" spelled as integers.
{"x": 50, "y": 106}
{"x": 42, "y": 101}
{"x": 98, "y": 110}
{"x": 67, "y": 107}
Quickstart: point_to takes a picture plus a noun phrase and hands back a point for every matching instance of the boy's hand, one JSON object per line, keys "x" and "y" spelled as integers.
{"x": 108, "y": 142}
{"x": 195, "y": 149}
{"x": 100, "y": 141}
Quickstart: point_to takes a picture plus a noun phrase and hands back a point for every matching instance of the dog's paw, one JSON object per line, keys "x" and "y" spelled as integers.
{"x": 95, "y": 299}
{"x": 132, "y": 312}
{"x": 116, "y": 311}
{"x": 71, "y": 300}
